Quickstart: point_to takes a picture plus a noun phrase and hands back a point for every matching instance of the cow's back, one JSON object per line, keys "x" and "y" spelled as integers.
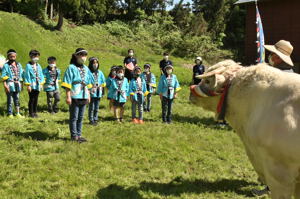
{"x": 264, "y": 107}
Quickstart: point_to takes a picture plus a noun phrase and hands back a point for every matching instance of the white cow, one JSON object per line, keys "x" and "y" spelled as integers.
{"x": 263, "y": 107}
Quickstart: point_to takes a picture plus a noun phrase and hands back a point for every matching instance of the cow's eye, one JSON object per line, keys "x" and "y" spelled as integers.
{"x": 207, "y": 81}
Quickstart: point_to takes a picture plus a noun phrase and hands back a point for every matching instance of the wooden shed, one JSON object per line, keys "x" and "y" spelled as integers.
{"x": 281, "y": 20}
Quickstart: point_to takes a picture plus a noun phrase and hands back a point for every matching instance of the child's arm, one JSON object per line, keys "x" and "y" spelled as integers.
{"x": 160, "y": 86}
{"x": 27, "y": 78}
{"x": 5, "y": 77}
{"x": 176, "y": 87}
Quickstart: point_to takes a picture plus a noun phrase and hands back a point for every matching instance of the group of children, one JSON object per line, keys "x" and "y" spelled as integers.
{"x": 86, "y": 85}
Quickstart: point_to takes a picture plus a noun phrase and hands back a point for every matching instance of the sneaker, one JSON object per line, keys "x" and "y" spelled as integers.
{"x": 257, "y": 192}
{"x": 18, "y": 115}
{"x": 35, "y": 115}
{"x": 74, "y": 138}
{"x": 145, "y": 110}
{"x": 141, "y": 121}
{"x": 95, "y": 123}
{"x": 135, "y": 121}
{"x": 10, "y": 116}
{"x": 169, "y": 122}
{"x": 121, "y": 120}
{"x": 91, "y": 122}
{"x": 148, "y": 109}
{"x": 81, "y": 139}
{"x": 31, "y": 115}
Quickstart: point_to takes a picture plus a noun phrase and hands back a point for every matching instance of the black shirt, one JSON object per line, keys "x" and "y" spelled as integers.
{"x": 163, "y": 63}
{"x": 129, "y": 73}
{"x": 197, "y": 70}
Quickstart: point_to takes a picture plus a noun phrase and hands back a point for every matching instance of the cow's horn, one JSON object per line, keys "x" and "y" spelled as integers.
{"x": 211, "y": 73}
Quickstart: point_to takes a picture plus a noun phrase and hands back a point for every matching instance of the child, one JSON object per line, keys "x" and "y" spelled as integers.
{"x": 12, "y": 75}
{"x": 52, "y": 76}
{"x": 119, "y": 88}
{"x": 109, "y": 80}
{"x": 167, "y": 89}
{"x": 97, "y": 90}
{"x": 137, "y": 91}
{"x": 151, "y": 85}
{"x": 77, "y": 81}
{"x": 34, "y": 80}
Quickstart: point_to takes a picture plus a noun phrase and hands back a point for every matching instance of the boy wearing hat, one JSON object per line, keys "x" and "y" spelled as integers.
{"x": 34, "y": 80}
{"x": 12, "y": 76}
{"x": 51, "y": 87}
{"x": 119, "y": 88}
{"x": 280, "y": 55}
{"x": 198, "y": 69}
{"x": 137, "y": 91}
{"x": 96, "y": 91}
{"x": 150, "y": 84}
{"x": 167, "y": 89}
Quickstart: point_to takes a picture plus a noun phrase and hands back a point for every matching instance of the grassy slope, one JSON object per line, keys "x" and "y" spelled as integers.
{"x": 188, "y": 159}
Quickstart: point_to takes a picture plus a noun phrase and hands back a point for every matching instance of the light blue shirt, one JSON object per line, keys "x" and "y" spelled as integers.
{"x": 168, "y": 86}
{"x": 99, "y": 84}
{"x": 134, "y": 89}
{"x": 119, "y": 91}
{"x": 11, "y": 78}
{"x": 34, "y": 79}
{"x": 79, "y": 87}
{"x": 152, "y": 83}
{"x": 51, "y": 83}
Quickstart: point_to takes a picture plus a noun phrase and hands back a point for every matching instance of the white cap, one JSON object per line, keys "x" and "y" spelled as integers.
{"x": 199, "y": 58}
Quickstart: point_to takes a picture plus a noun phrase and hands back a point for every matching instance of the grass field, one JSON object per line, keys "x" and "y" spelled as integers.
{"x": 191, "y": 158}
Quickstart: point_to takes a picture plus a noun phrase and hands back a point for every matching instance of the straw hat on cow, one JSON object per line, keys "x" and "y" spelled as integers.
{"x": 283, "y": 49}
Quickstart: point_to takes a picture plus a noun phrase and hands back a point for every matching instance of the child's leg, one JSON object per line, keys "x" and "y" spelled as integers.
{"x": 49, "y": 100}
{"x": 56, "y": 101}
{"x": 140, "y": 109}
{"x": 30, "y": 103}
{"x": 164, "y": 105}
{"x": 81, "y": 110}
{"x": 149, "y": 98}
{"x": 121, "y": 113}
{"x": 9, "y": 103}
{"x": 133, "y": 109}
{"x": 73, "y": 110}
{"x": 91, "y": 110}
{"x": 169, "y": 114}
{"x": 16, "y": 102}
{"x": 36, "y": 99}
{"x": 111, "y": 107}
{"x": 96, "y": 110}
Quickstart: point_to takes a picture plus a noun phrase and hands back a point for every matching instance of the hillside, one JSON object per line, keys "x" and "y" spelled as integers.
{"x": 191, "y": 158}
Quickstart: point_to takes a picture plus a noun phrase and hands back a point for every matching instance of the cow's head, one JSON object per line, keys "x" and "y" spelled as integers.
{"x": 207, "y": 93}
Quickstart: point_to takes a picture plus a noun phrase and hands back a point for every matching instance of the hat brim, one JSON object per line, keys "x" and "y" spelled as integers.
{"x": 287, "y": 59}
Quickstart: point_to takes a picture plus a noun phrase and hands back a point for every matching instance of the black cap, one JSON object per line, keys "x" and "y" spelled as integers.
{"x": 34, "y": 53}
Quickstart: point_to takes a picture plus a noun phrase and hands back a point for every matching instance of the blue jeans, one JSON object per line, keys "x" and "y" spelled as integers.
{"x": 147, "y": 102}
{"x": 94, "y": 109}
{"x": 166, "y": 109}
{"x": 12, "y": 96}
{"x": 76, "y": 118}
{"x": 137, "y": 105}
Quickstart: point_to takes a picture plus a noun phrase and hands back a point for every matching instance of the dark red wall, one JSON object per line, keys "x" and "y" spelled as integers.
{"x": 281, "y": 20}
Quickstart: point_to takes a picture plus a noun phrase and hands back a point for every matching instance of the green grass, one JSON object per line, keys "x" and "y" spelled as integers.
{"x": 190, "y": 158}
